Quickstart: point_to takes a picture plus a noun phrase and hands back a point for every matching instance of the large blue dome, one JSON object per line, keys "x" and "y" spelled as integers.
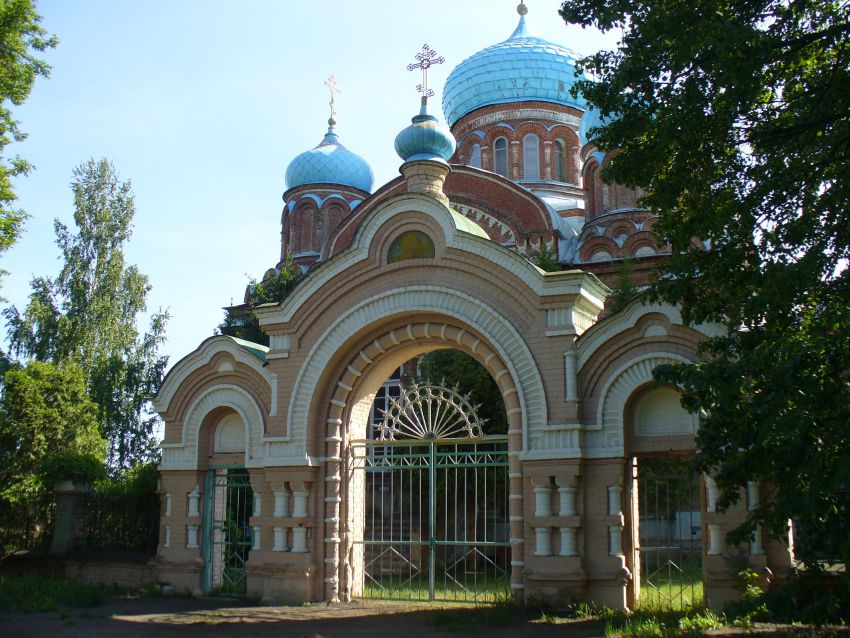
{"x": 523, "y": 68}
{"x": 329, "y": 163}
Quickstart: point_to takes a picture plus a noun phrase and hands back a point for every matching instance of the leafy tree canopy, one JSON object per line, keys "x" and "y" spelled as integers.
{"x": 89, "y": 314}
{"x": 458, "y": 369}
{"x": 735, "y": 117}
{"x": 21, "y": 38}
{"x": 274, "y": 287}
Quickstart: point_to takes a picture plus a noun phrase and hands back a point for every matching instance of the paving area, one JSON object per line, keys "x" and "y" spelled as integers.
{"x": 131, "y": 617}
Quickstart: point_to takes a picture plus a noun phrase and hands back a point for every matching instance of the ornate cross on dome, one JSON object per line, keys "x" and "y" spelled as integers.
{"x": 333, "y": 87}
{"x": 427, "y": 57}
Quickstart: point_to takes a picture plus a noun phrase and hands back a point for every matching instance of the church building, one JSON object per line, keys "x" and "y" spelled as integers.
{"x": 281, "y": 480}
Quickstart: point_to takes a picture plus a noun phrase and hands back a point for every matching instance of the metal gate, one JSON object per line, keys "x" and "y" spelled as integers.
{"x": 435, "y": 523}
{"x": 669, "y": 547}
{"x": 227, "y": 534}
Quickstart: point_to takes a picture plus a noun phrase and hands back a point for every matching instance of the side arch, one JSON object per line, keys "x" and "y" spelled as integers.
{"x": 607, "y": 437}
{"x": 184, "y": 455}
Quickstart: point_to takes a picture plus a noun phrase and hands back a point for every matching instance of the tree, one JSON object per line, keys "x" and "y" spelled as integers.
{"x": 49, "y": 431}
{"x": 458, "y": 369}
{"x": 275, "y": 286}
{"x": 20, "y": 38}
{"x": 88, "y": 314}
{"x": 735, "y": 118}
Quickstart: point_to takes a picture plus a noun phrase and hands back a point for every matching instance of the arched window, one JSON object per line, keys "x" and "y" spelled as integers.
{"x": 560, "y": 164}
{"x": 531, "y": 157}
{"x": 475, "y": 156}
{"x": 500, "y": 156}
{"x": 411, "y": 244}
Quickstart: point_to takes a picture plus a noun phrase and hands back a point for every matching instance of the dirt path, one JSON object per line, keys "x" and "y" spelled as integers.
{"x": 131, "y": 617}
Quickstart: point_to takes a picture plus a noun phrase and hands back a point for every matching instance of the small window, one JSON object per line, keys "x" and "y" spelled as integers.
{"x": 475, "y": 156}
{"x": 531, "y": 157}
{"x": 412, "y": 244}
{"x": 500, "y": 156}
{"x": 560, "y": 161}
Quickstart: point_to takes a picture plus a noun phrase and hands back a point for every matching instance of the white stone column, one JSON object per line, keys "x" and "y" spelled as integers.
{"x": 299, "y": 496}
{"x": 544, "y": 541}
{"x": 715, "y": 539}
{"x": 167, "y": 504}
{"x": 756, "y": 547}
{"x": 567, "y": 498}
{"x": 167, "y": 542}
{"x": 752, "y": 495}
{"x": 542, "y": 497}
{"x": 281, "y": 504}
{"x": 280, "y": 540}
{"x": 255, "y": 537}
{"x": 615, "y": 540}
{"x": 568, "y": 542}
{"x": 299, "y": 539}
{"x": 192, "y": 536}
{"x": 615, "y": 493}
{"x": 258, "y": 505}
{"x": 711, "y": 494}
{"x": 571, "y": 375}
{"x": 195, "y": 501}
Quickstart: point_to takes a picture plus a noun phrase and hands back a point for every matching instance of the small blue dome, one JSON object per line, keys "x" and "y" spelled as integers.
{"x": 523, "y": 68}
{"x": 329, "y": 163}
{"x": 425, "y": 139}
{"x": 591, "y": 119}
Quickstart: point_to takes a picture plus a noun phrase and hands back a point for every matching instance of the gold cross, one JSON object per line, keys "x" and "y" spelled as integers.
{"x": 427, "y": 57}
{"x": 333, "y": 87}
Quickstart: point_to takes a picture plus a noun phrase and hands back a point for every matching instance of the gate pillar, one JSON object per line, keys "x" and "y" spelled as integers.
{"x": 604, "y": 524}
{"x": 772, "y": 559}
{"x": 285, "y": 560}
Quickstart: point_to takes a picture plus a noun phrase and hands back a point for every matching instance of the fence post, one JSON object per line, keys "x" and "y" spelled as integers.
{"x": 69, "y": 518}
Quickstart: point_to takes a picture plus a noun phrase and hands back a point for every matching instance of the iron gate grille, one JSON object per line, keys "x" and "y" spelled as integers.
{"x": 436, "y": 519}
{"x": 670, "y": 535}
{"x": 227, "y": 538}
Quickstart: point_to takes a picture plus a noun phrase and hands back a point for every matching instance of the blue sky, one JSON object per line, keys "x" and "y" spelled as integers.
{"x": 201, "y": 104}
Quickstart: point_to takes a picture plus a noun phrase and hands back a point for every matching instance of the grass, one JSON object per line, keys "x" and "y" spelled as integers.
{"x": 658, "y": 624}
{"x": 31, "y": 593}
{"x": 480, "y": 591}
{"x": 472, "y": 619}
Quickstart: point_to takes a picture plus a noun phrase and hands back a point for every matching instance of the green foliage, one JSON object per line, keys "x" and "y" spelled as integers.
{"x": 625, "y": 291}
{"x": 811, "y": 598}
{"x": 88, "y": 314}
{"x": 48, "y": 432}
{"x": 545, "y": 259}
{"x": 21, "y": 38}
{"x": 733, "y": 117}
{"x": 459, "y": 369}
{"x": 122, "y": 512}
{"x": 643, "y": 624}
{"x": 241, "y": 323}
{"x": 35, "y": 593}
{"x": 274, "y": 287}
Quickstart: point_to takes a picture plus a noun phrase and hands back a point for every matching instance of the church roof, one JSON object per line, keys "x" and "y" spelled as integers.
{"x": 522, "y": 68}
{"x": 330, "y": 163}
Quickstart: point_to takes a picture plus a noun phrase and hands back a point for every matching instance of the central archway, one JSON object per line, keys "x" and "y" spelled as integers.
{"x": 371, "y": 359}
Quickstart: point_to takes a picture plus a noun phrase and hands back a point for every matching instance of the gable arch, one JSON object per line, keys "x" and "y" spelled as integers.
{"x": 499, "y": 333}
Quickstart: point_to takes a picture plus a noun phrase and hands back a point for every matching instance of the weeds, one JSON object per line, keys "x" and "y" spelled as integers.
{"x": 32, "y": 593}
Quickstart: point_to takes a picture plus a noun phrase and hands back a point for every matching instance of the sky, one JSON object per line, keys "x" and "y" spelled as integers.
{"x": 202, "y": 104}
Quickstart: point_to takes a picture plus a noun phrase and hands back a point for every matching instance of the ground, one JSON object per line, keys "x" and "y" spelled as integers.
{"x": 211, "y": 617}
{"x": 131, "y": 617}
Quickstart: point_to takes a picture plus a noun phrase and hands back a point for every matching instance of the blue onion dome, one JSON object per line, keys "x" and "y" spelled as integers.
{"x": 330, "y": 163}
{"x": 523, "y": 68}
{"x": 591, "y": 119}
{"x": 425, "y": 139}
